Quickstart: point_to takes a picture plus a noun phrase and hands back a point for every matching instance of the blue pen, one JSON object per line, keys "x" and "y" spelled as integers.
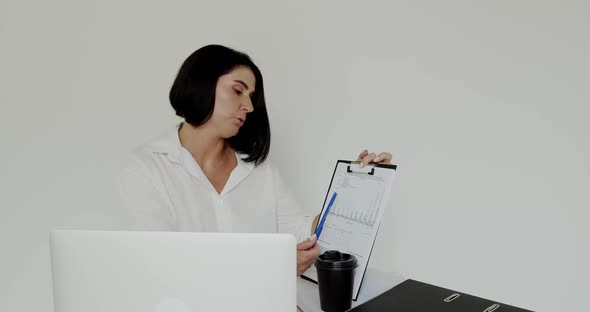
{"x": 318, "y": 231}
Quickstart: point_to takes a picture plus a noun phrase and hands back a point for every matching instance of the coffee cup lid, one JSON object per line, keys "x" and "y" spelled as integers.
{"x": 336, "y": 260}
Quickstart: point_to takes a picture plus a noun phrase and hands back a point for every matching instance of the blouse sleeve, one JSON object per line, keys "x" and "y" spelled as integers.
{"x": 145, "y": 206}
{"x": 290, "y": 217}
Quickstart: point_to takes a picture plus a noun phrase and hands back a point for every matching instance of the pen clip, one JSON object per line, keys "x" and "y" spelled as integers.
{"x": 370, "y": 172}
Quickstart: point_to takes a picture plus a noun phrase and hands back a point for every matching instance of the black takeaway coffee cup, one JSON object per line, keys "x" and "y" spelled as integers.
{"x": 335, "y": 280}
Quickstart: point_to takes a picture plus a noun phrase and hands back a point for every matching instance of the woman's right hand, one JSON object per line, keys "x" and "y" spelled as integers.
{"x": 307, "y": 252}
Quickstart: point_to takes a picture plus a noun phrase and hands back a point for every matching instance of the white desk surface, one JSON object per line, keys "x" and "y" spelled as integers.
{"x": 375, "y": 283}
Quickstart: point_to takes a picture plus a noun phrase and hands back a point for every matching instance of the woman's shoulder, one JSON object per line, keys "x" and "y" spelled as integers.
{"x": 149, "y": 153}
{"x": 270, "y": 169}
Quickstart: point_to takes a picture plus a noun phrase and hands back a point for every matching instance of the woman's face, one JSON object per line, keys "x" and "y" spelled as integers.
{"x": 233, "y": 101}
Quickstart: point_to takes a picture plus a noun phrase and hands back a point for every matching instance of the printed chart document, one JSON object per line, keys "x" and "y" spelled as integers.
{"x": 353, "y": 220}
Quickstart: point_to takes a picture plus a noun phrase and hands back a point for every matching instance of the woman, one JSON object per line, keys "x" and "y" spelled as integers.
{"x": 210, "y": 174}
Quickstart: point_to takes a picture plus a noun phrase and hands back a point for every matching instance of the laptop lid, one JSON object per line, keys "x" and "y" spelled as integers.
{"x": 173, "y": 272}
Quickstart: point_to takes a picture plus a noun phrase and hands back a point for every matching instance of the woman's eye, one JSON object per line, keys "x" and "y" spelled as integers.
{"x": 238, "y": 92}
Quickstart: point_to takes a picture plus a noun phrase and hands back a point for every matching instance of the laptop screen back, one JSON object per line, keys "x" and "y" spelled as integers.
{"x": 174, "y": 272}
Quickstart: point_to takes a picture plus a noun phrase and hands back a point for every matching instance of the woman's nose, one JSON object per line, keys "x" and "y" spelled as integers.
{"x": 247, "y": 105}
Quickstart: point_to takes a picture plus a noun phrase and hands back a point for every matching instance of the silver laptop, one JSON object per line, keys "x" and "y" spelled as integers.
{"x": 172, "y": 272}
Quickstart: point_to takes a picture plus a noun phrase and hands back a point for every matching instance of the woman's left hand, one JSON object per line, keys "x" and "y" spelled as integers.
{"x": 382, "y": 158}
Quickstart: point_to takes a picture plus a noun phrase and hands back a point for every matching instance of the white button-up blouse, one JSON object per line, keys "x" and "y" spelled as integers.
{"x": 164, "y": 189}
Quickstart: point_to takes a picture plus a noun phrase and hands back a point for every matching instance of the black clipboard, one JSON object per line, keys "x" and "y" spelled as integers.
{"x": 352, "y": 168}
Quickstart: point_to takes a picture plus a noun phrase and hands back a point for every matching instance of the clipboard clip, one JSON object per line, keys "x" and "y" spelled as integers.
{"x": 370, "y": 172}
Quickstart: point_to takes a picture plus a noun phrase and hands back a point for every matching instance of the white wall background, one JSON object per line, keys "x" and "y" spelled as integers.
{"x": 484, "y": 104}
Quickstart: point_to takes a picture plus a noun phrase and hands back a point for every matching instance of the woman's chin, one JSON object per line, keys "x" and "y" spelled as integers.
{"x": 231, "y": 134}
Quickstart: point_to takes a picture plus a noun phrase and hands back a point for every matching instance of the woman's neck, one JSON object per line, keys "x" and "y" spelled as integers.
{"x": 203, "y": 144}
